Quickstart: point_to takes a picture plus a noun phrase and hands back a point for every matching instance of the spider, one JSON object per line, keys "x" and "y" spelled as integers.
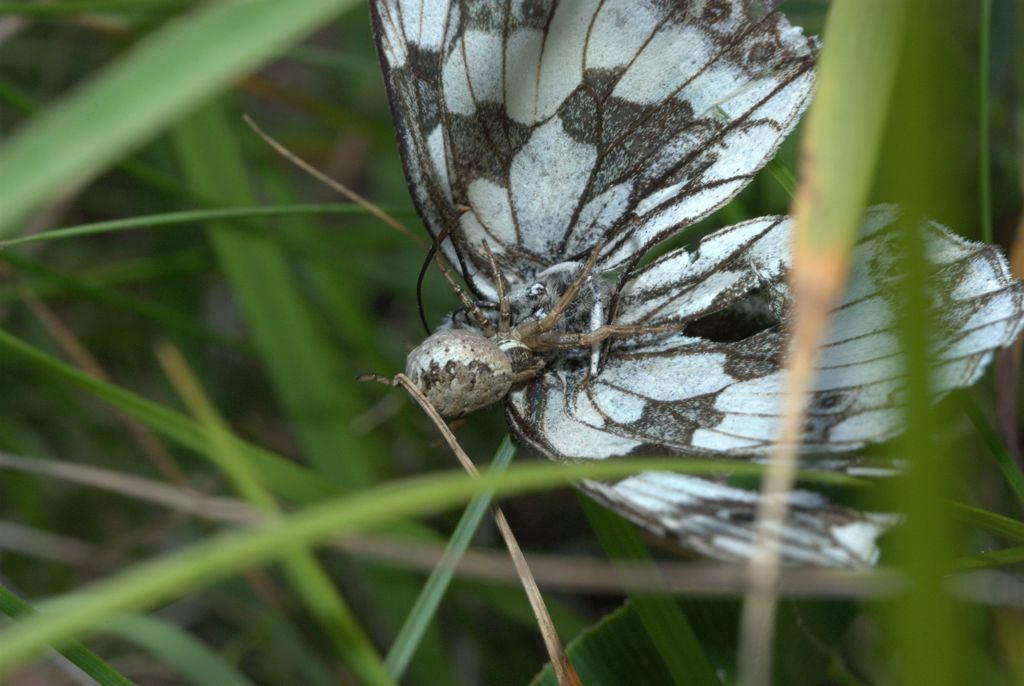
{"x": 466, "y": 368}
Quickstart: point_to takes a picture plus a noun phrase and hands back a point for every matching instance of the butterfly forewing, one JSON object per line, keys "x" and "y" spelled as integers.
{"x": 562, "y": 125}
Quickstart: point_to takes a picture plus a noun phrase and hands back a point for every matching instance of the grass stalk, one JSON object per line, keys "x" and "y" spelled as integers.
{"x": 985, "y": 119}
{"x": 425, "y": 608}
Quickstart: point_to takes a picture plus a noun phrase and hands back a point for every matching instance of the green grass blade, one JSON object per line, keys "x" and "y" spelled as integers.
{"x": 170, "y": 320}
{"x": 661, "y": 616}
{"x": 308, "y": 378}
{"x": 839, "y": 152}
{"x": 313, "y": 584}
{"x": 928, "y": 625}
{"x": 339, "y": 296}
{"x": 1007, "y": 465}
{"x": 161, "y": 578}
{"x": 185, "y": 217}
{"x": 991, "y": 558}
{"x": 985, "y": 119}
{"x": 166, "y": 75}
{"x": 311, "y": 379}
{"x": 783, "y": 176}
{"x": 72, "y": 7}
{"x": 425, "y": 607}
{"x": 616, "y": 650}
{"x": 80, "y": 656}
{"x": 843, "y": 134}
{"x": 180, "y": 264}
{"x": 176, "y": 648}
{"x": 989, "y": 521}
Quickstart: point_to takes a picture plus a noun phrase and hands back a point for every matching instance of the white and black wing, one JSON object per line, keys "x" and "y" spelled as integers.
{"x": 562, "y": 125}
{"x": 715, "y": 388}
{"x": 717, "y": 520}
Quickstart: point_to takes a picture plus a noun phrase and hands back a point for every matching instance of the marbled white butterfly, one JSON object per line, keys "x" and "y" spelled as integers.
{"x": 549, "y": 146}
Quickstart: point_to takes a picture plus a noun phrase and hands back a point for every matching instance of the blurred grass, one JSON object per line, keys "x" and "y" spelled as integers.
{"x": 81, "y": 657}
{"x": 984, "y": 119}
{"x": 424, "y": 610}
{"x": 304, "y": 572}
{"x": 182, "y": 227}
{"x": 150, "y": 582}
{"x": 142, "y": 92}
{"x": 662, "y": 619}
{"x": 927, "y": 625}
{"x": 176, "y": 648}
{"x": 838, "y": 155}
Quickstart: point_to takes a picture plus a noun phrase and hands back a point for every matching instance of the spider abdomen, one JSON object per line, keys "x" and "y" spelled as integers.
{"x": 460, "y": 371}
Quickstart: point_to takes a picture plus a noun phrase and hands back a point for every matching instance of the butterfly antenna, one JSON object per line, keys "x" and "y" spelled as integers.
{"x": 345, "y": 191}
{"x": 564, "y": 671}
{"x": 423, "y": 272}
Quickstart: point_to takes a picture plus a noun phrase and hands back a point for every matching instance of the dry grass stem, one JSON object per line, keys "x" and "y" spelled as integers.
{"x": 144, "y": 438}
{"x": 571, "y": 574}
{"x": 331, "y": 183}
{"x": 817, "y": 282}
{"x": 564, "y": 671}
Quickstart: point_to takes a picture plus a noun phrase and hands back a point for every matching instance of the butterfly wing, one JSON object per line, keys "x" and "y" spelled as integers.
{"x": 717, "y": 520}
{"x": 563, "y": 125}
{"x": 698, "y": 393}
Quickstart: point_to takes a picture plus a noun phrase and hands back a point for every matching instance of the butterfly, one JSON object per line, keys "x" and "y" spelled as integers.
{"x": 550, "y": 147}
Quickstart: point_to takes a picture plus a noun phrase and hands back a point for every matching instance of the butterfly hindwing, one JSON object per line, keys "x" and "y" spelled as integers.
{"x": 718, "y": 520}
{"x": 561, "y": 125}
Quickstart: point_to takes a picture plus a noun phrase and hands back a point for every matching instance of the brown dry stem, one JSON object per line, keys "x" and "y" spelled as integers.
{"x": 564, "y": 671}
{"x": 345, "y": 191}
{"x": 817, "y": 283}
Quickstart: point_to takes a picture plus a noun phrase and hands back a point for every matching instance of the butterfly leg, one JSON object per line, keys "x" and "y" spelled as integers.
{"x": 596, "y": 322}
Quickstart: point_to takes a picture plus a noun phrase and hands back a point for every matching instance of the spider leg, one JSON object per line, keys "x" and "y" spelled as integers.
{"x": 553, "y": 340}
{"x": 551, "y": 319}
{"x": 505, "y": 316}
{"x": 528, "y": 373}
{"x": 466, "y": 301}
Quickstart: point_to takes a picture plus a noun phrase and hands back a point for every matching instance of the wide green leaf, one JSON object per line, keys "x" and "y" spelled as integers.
{"x": 615, "y": 651}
